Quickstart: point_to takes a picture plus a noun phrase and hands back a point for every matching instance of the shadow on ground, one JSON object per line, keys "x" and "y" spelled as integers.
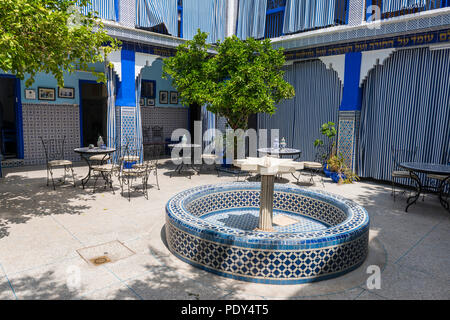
{"x": 23, "y": 198}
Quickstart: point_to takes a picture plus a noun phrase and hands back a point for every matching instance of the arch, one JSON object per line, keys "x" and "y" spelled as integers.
{"x": 406, "y": 103}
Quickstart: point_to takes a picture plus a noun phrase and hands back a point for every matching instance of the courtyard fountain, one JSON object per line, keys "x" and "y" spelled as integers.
{"x": 266, "y": 232}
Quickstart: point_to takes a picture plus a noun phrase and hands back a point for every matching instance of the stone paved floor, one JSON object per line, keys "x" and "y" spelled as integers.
{"x": 41, "y": 229}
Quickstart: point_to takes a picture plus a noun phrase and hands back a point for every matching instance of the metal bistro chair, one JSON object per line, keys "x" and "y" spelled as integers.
{"x": 153, "y": 156}
{"x": 149, "y": 166}
{"x": 401, "y": 155}
{"x": 131, "y": 168}
{"x": 54, "y": 157}
{"x": 440, "y": 181}
{"x": 211, "y": 158}
{"x": 100, "y": 158}
{"x": 316, "y": 167}
{"x": 157, "y": 134}
{"x": 113, "y": 168}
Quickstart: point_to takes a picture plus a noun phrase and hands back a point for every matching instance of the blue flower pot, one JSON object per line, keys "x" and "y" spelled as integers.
{"x": 326, "y": 171}
{"x": 128, "y": 164}
{"x": 336, "y": 176}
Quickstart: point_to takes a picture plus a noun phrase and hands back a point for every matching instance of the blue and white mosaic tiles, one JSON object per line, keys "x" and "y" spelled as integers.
{"x": 211, "y": 227}
{"x": 247, "y": 219}
{"x": 50, "y": 121}
{"x": 169, "y": 118}
{"x": 347, "y": 144}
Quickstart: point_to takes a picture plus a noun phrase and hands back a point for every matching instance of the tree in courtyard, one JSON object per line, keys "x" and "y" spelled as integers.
{"x": 235, "y": 80}
{"x": 51, "y": 36}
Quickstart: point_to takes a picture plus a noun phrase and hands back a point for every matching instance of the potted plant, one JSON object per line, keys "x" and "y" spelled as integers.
{"x": 340, "y": 173}
{"x": 327, "y": 129}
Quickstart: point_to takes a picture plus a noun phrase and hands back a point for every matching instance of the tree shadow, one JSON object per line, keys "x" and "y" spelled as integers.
{"x": 23, "y": 198}
{"x": 42, "y": 287}
{"x": 174, "y": 279}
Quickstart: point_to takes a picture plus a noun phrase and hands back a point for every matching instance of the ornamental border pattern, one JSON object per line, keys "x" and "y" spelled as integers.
{"x": 267, "y": 257}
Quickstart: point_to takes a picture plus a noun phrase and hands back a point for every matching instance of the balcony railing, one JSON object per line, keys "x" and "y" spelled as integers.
{"x": 386, "y": 9}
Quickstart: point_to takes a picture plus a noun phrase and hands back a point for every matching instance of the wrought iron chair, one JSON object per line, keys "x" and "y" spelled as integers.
{"x": 132, "y": 168}
{"x": 440, "y": 181}
{"x": 150, "y": 165}
{"x": 401, "y": 155}
{"x": 54, "y": 157}
{"x": 110, "y": 169}
{"x": 100, "y": 158}
{"x": 157, "y": 134}
{"x": 146, "y": 131}
{"x": 132, "y": 171}
{"x": 211, "y": 158}
{"x": 315, "y": 167}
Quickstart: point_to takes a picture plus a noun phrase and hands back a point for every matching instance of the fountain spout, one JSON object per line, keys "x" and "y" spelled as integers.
{"x": 268, "y": 168}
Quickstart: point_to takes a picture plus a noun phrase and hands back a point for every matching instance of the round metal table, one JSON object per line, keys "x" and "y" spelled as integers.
{"x": 184, "y": 146}
{"x": 427, "y": 168}
{"x": 86, "y": 153}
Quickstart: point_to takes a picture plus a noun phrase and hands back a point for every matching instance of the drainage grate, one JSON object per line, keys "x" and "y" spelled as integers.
{"x": 105, "y": 253}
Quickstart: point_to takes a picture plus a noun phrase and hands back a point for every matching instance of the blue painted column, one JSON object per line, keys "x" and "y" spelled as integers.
{"x": 350, "y": 110}
{"x": 126, "y": 96}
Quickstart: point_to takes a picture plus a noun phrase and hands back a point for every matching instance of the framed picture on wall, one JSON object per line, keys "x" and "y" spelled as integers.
{"x": 66, "y": 93}
{"x": 150, "y": 102}
{"x": 142, "y": 102}
{"x": 46, "y": 94}
{"x": 30, "y": 94}
{"x": 173, "y": 97}
{"x": 164, "y": 97}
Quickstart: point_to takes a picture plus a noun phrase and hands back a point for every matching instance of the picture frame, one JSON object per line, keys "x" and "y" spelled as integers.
{"x": 173, "y": 97}
{"x": 150, "y": 102}
{"x": 142, "y": 102}
{"x": 164, "y": 97}
{"x": 48, "y": 94}
{"x": 66, "y": 93}
{"x": 30, "y": 94}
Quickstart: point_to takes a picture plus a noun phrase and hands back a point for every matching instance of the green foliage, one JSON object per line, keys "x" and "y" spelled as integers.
{"x": 328, "y": 129}
{"x": 242, "y": 78}
{"x": 190, "y": 70}
{"x": 50, "y": 36}
{"x": 337, "y": 164}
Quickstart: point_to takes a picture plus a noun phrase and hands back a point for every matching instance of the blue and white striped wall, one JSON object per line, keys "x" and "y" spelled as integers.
{"x": 406, "y": 103}
{"x": 318, "y": 92}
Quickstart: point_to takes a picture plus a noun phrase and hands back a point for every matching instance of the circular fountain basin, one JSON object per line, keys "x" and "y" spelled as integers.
{"x": 318, "y": 236}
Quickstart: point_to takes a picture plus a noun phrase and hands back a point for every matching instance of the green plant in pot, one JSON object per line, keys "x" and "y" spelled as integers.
{"x": 340, "y": 172}
{"x": 327, "y": 129}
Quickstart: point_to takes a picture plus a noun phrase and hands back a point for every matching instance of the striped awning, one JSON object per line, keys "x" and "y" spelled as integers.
{"x": 151, "y": 13}
{"x": 397, "y": 5}
{"x": 105, "y": 9}
{"x": 307, "y": 14}
{"x": 207, "y": 15}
